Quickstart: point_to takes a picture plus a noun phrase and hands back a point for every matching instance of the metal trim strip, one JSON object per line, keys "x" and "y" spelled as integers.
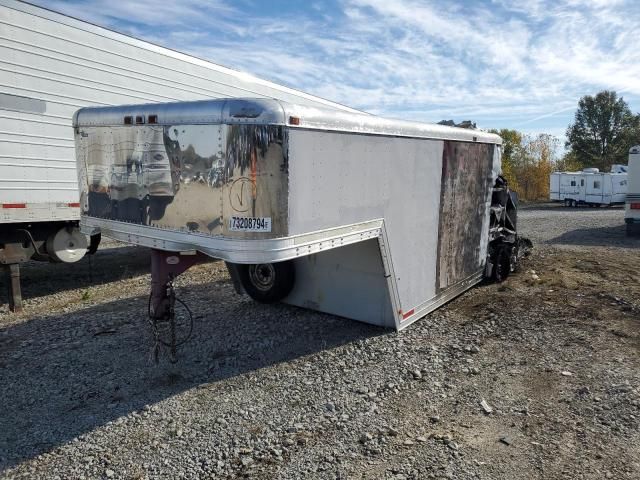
{"x": 230, "y": 249}
{"x": 443, "y": 297}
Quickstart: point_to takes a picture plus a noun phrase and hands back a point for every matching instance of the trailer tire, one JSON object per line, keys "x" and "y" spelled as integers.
{"x": 267, "y": 282}
{"x": 503, "y": 264}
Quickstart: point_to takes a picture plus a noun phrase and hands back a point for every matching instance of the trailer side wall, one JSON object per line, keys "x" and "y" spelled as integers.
{"x": 433, "y": 195}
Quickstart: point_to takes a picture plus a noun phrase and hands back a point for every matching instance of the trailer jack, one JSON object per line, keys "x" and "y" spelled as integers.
{"x": 170, "y": 318}
{"x": 13, "y": 281}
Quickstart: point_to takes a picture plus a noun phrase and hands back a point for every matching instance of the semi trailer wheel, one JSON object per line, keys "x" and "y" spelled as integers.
{"x": 67, "y": 245}
{"x": 267, "y": 282}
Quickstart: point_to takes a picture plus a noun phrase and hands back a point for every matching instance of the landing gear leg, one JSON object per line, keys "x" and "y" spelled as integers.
{"x": 15, "y": 294}
{"x": 170, "y": 328}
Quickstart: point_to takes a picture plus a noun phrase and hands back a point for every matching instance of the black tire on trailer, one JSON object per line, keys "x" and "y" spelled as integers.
{"x": 267, "y": 282}
{"x": 502, "y": 267}
{"x": 567, "y": 202}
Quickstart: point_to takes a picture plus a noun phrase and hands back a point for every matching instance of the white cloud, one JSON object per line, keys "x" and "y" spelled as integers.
{"x": 502, "y": 64}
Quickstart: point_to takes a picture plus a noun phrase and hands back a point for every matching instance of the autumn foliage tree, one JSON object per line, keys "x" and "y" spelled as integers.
{"x": 511, "y": 141}
{"x": 535, "y": 164}
{"x": 527, "y": 162}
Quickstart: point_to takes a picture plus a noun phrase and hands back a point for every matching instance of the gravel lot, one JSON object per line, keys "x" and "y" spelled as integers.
{"x": 281, "y": 392}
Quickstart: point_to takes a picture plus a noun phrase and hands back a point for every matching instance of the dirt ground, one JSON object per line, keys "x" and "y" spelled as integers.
{"x": 534, "y": 378}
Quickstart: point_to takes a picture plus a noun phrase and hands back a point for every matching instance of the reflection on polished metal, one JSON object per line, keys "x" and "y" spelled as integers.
{"x": 186, "y": 177}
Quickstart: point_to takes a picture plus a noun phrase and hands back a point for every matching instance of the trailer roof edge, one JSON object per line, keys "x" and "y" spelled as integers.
{"x": 265, "y": 111}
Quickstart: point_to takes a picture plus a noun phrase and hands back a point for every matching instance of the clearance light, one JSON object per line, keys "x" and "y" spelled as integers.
{"x": 294, "y": 120}
{"x": 635, "y": 206}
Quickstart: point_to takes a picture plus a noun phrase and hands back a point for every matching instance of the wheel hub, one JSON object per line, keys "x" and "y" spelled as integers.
{"x": 262, "y": 276}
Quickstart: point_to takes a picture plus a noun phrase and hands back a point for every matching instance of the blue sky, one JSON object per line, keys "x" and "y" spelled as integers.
{"x": 502, "y": 64}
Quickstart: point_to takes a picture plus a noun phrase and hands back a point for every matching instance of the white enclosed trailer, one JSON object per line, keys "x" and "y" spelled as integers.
{"x": 589, "y": 187}
{"x": 51, "y": 65}
{"x": 632, "y": 204}
{"x": 376, "y": 220}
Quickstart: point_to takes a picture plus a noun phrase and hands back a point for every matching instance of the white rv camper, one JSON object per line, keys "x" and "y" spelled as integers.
{"x": 376, "y": 220}
{"x": 51, "y": 65}
{"x": 590, "y": 187}
{"x": 632, "y": 204}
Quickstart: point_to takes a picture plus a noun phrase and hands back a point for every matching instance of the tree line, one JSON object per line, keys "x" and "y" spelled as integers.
{"x": 603, "y": 130}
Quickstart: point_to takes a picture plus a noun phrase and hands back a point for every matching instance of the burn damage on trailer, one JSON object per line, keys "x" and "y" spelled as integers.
{"x": 459, "y": 243}
{"x": 464, "y": 180}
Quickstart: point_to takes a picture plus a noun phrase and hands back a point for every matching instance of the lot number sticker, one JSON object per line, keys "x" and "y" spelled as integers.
{"x": 250, "y": 224}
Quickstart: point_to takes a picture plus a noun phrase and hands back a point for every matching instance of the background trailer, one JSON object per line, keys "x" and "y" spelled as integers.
{"x": 51, "y": 65}
{"x": 377, "y": 220}
{"x": 589, "y": 187}
{"x": 632, "y": 204}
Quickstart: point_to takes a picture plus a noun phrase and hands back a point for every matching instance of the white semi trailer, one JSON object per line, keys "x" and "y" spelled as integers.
{"x": 590, "y": 187}
{"x": 632, "y": 204}
{"x": 51, "y": 65}
{"x": 376, "y": 220}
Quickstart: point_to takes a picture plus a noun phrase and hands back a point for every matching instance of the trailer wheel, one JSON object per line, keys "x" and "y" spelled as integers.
{"x": 267, "y": 282}
{"x": 567, "y": 202}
